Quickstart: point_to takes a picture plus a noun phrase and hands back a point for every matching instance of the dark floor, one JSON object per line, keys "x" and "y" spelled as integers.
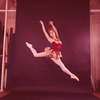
{"x": 22, "y": 95}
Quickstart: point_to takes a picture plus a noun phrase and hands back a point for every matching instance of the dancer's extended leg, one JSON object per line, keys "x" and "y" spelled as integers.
{"x": 41, "y": 54}
{"x": 62, "y": 66}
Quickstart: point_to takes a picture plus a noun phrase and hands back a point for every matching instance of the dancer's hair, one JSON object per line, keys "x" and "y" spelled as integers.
{"x": 57, "y": 37}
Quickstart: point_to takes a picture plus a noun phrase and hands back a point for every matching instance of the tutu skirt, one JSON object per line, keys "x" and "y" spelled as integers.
{"x": 53, "y": 54}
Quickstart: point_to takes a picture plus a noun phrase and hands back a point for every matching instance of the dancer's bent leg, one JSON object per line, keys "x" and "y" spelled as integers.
{"x": 41, "y": 54}
{"x": 64, "y": 69}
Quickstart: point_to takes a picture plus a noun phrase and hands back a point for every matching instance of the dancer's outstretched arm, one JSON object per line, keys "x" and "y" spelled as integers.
{"x": 46, "y": 34}
{"x": 54, "y": 28}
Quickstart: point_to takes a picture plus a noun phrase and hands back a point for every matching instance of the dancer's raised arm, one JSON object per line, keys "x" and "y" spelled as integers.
{"x": 45, "y": 33}
{"x": 54, "y": 28}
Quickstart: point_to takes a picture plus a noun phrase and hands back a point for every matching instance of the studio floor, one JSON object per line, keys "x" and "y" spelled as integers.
{"x": 29, "y": 95}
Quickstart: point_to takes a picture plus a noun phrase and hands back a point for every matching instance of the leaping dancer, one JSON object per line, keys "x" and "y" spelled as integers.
{"x": 53, "y": 52}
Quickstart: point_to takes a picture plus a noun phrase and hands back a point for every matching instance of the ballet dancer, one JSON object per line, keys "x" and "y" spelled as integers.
{"x": 54, "y": 51}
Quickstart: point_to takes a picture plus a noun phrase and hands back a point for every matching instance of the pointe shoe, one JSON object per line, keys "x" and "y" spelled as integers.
{"x": 74, "y": 77}
{"x": 28, "y": 45}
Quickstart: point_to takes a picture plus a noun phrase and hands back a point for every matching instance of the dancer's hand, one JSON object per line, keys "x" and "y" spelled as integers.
{"x": 51, "y": 22}
{"x": 41, "y": 22}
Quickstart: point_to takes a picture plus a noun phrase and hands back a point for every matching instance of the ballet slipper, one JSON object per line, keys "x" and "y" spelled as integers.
{"x": 29, "y": 45}
{"x": 31, "y": 48}
{"x": 74, "y": 77}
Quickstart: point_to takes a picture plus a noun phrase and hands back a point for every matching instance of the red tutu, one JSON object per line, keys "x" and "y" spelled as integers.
{"x": 53, "y": 54}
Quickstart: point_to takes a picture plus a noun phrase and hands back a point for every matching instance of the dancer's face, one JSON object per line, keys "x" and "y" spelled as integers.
{"x": 52, "y": 34}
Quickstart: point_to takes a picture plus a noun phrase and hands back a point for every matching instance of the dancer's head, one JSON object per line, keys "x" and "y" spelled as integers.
{"x": 52, "y": 33}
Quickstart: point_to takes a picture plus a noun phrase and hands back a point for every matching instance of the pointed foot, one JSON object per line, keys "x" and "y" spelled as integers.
{"x": 28, "y": 45}
{"x": 75, "y": 77}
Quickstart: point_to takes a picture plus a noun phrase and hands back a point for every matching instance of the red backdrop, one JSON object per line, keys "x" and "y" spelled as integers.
{"x": 71, "y": 18}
